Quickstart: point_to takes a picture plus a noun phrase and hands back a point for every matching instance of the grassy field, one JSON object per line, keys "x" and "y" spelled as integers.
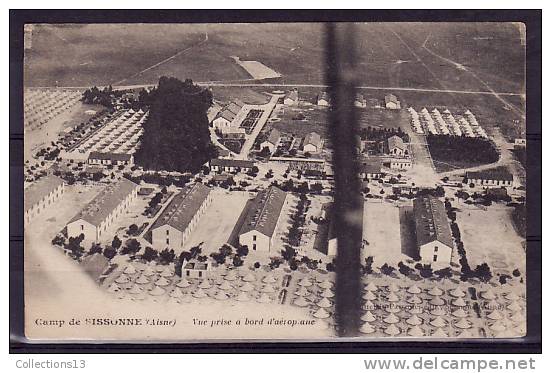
{"x": 247, "y": 95}
{"x": 388, "y": 54}
{"x": 315, "y": 120}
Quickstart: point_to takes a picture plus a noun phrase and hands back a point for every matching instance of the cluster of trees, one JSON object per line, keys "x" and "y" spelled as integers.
{"x": 157, "y": 178}
{"x": 49, "y": 153}
{"x": 226, "y": 251}
{"x": 298, "y": 219}
{"x": 462, "y": 149}
{"x": 96, "y": 96}
{"x": 301, "y": 188}
{"x": 289, "y": 255}
{"x": 381, "y": 134}
{"x": 176, "y": 135}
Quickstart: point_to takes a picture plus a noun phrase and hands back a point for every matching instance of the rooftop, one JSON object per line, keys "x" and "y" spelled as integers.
{"x": 40, "y": 188}
{"x": 324, "y": 96}
{"x": 183, "y": 207}
{"x": 391, "y": 98}
{"x": 97, "y": 210}
{"x": 292, "y": 95}
{"x": 194, "y": 264}
{"x": 223, "y": 162}
{"x": 395, "y": 142}
{"x": 274, "y": 136}
{"x": 264, "y": 211}
{"x": 312, "y": 138}
{"x": 431, "y": 222}
{"x": 497, "y": 174}
{"x": 370, "y": 166}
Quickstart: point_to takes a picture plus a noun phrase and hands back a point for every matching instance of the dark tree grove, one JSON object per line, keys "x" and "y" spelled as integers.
{"x": 461, "y": 148}
{"x": 176, "y": 135}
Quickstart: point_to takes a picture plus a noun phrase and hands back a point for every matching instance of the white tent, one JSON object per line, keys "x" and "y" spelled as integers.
{"x": 369, "y": 296}
{"x": 167, "y": 272}
{"x": 302, "y": 291}
{"x": 495, "y": 315}
{"x": 460, "y": 312}
{"x": 113, "y": 288}
{"x": 392, "y": 297}
{"x": 465, "y": 333}
{"x": 162, "y": 282}
{"x": 438, "y": 322}
{"x": 438, "y": 311}
{"x": 129, "y": 270}
{"x": 221, "y": 295}
{"x": 437, "y": 301}
{"x": 249, "y": 277}
{"x": 326, "y": 284}
{"x": 183, "y": 283}
{"x": 457, "y": 293}
{"x": 366, "y": 328}
{"x": 392, "y": 330}
{"x": 440, "y": 333}
{"x": 305, "y": 282}
{"x": 414, "y": 289}
{"x": 414, "y": 320}
{"x": 416, "y": 331}
{"x": 436, "y": 291}
{"x": 368, "y": 316}
{"x": 157, "y": 291}
{"x": 205, "y": 284}
{"x": 321, "y": 314}
{"x": 199, "y": 293}
{"x": 122, "y": 279}
{"x": 246, "y": 286}
{"x": 225, "y": 285}
{"x": 243, "y": 297}
{"x": 142, "y": 280}
{"x": 391, "y": 319}
{"x": 463, "y": 324}
{"x": 393, "y": 288}
{"x": 324, "y": 303}
{"x": 512, "y": 296}
{"x": 231, "y": 276}
{"x": 176, "y": 293}
{"x": 518, "y": 317}
{"x": 414, "y": 300}
{"x": 371, "y": 287}
{"x": 498, "y": 327}
{"x": 148, "y": 271}
{"x": 300, "y": 301}
{"x": 327, "y": 293}
{"x": 459, "y": 302}
{"x": 514, "y": 306}
{"x": 135, "y": 289}
{"x": 264, "y": 298}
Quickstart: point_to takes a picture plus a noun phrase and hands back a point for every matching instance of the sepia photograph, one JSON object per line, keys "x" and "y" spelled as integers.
{"x": 289, "y": 181}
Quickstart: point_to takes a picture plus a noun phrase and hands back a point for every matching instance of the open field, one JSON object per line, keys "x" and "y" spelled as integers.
{"x": 257, "y": 70}
{"x": 216, "y": 224}
{"x": 503, "y": 255}
{"x": 392, "y": 54}
{"x": 301, "y": 120}
{"x": 382, "y": 232}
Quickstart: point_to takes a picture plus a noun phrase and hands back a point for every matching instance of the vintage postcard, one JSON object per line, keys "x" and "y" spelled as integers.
{"x": 180, "y": 182}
